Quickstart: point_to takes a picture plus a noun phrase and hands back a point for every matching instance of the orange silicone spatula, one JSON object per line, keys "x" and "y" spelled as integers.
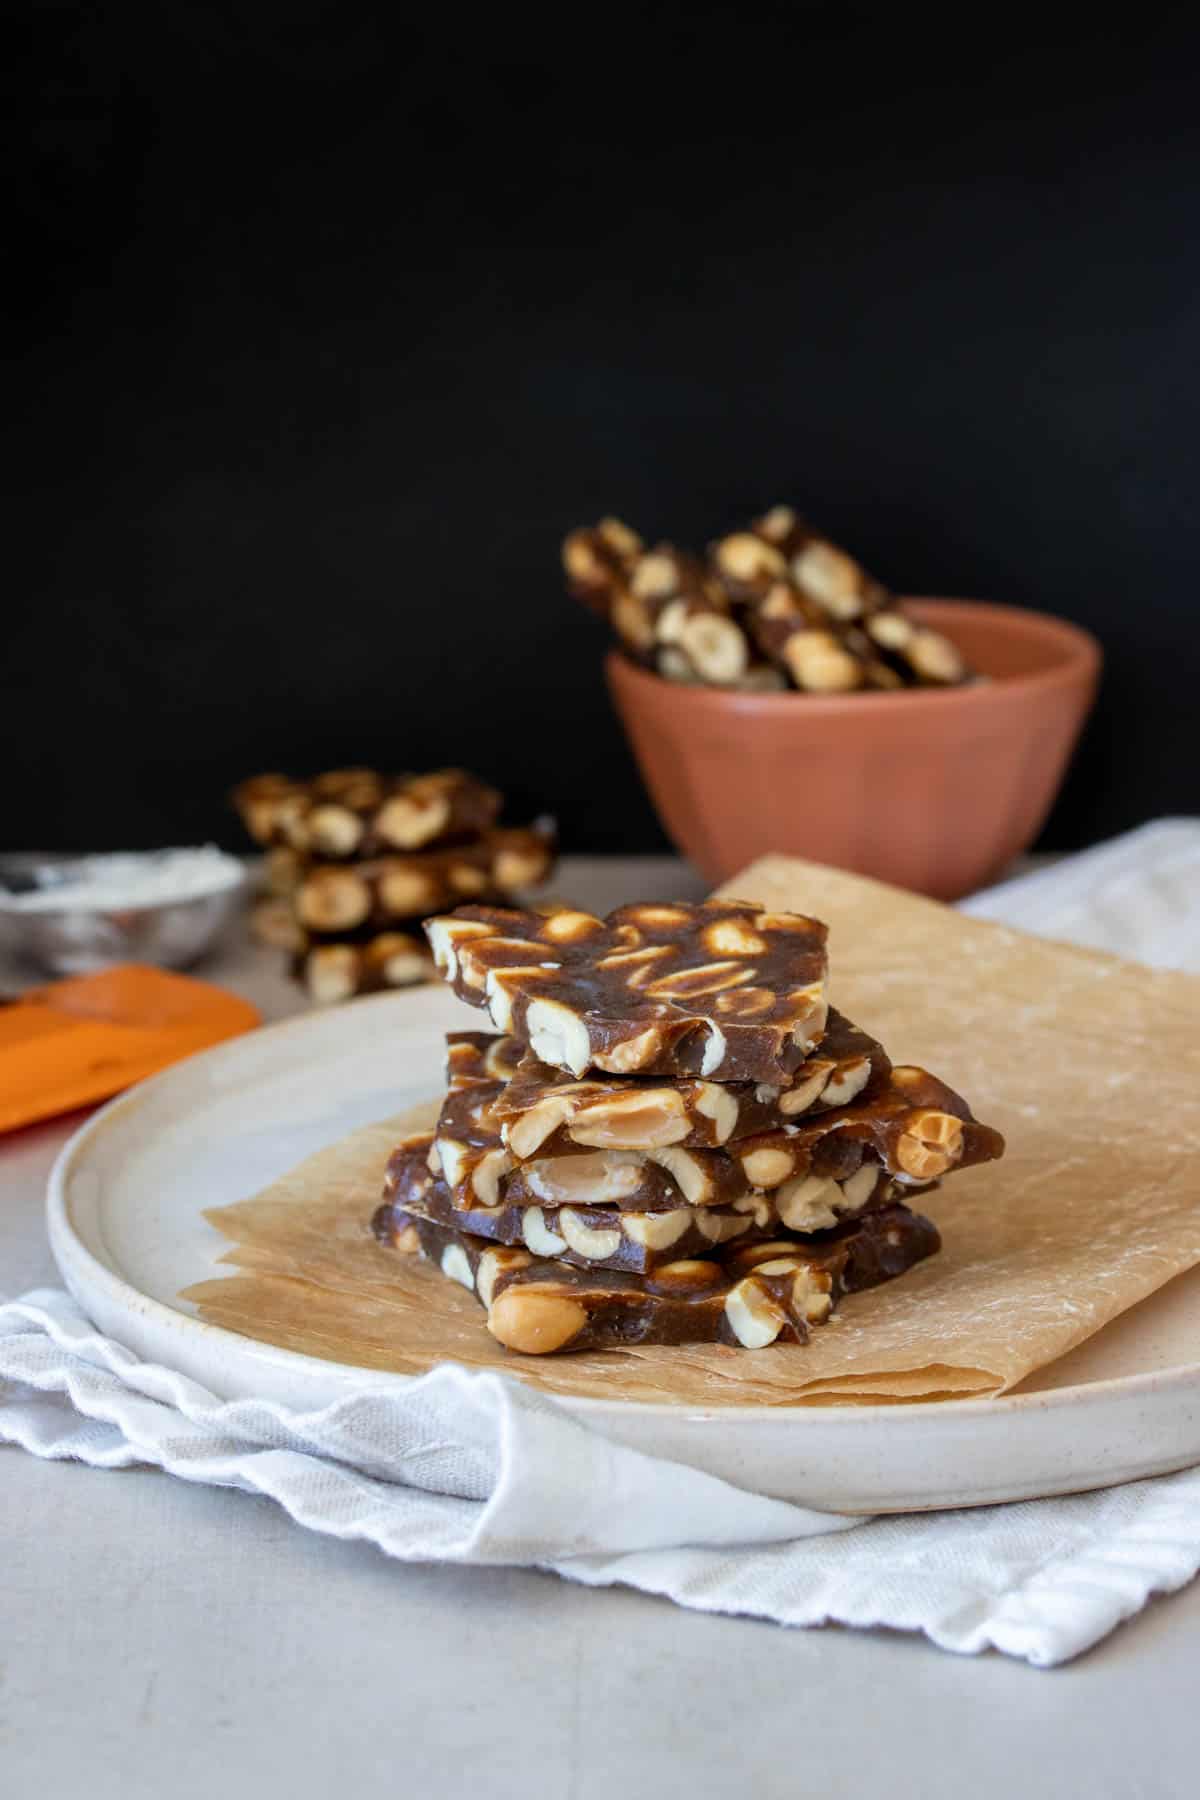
{"x": 77, "y": 1041}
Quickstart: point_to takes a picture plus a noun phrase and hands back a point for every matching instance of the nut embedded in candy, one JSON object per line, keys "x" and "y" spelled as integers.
{"x": 754, "y": 1315}
{"x": 535, "y": 1322}
{"x": 335, "y": 972}
{"x": 748, "y": 565}
{"x": 537, "y": 1234}
{"x": 831, "y": 578}
{"x": 930, "y": 1143}
{"x": 597, "y": 560}
{"x": 934, "y": 659}
{"x": 334, "y": 830}
{"x": 605, "y": 1177}
{"x": 282, "y": 870}
{"x": 819, "y": 664}
{"x": 273, "y": 922}
{"x": 715, "y": 647}
{"x": 333, "y": 899}
{"x": 589, "y": 1243}
{"x": 432, "y": 807}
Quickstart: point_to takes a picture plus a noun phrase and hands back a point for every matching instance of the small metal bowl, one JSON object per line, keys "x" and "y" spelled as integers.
{"x": 78, "y": 938}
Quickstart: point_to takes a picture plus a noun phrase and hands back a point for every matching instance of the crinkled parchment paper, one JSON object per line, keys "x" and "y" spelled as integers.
{"x": 1090, "y": 1065}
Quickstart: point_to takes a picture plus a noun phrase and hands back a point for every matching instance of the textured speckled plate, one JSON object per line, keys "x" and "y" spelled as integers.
{"x": 125, "y": 1218}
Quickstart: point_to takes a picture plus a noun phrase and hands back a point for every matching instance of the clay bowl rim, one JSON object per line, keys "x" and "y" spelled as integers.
{"x": 1079, "y": 656}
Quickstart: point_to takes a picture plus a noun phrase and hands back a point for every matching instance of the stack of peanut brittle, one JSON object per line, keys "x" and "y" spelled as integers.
{"x": 355, "y": 860}
{"x": 670, "y": 1137}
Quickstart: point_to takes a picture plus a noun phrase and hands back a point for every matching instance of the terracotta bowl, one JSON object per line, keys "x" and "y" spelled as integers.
{"x": 933, "y": 789}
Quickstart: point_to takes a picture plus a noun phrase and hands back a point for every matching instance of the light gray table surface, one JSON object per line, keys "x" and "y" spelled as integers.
{"x": 162, "y": 1639}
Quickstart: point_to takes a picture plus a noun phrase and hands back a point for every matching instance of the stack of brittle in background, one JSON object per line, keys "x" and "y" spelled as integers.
{"x": 355, "y": 860}
{"x": 673, "y": 1138}
{"x": 773, "y": 607}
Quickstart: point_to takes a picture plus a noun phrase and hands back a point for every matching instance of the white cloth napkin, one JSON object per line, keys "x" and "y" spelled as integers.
{"x": 1137, "y": 895}
{"x": 474, "y": 1468}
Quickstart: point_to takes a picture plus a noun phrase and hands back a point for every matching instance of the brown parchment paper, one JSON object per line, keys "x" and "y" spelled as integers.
{"x": 1090, "y": 1065}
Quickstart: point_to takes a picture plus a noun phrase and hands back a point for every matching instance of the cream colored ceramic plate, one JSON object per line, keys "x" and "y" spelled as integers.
{"x": 125, "y": 1205}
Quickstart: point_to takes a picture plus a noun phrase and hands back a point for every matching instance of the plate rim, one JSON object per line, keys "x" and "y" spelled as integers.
{"x": 71, "y": 1253}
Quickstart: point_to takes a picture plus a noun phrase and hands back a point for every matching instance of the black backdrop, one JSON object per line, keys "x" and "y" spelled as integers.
{"x": 329, "y": 324}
